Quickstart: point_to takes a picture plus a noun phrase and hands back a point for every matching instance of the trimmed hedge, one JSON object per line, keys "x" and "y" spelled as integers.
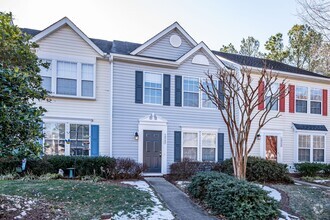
{"x": 232, "y": 198}
{"x": 259, "y": 170}
{"x": 107, "y": 167}
{"x": 312, "y": 169}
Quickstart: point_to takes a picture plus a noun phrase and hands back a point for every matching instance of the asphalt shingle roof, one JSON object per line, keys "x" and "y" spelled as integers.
{"x": 125, "y": 48}
{"x": 307, "y": 127}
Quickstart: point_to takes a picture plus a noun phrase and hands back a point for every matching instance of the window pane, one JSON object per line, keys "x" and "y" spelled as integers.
{"x": 47, "y": 83}
{"x": 87, "y": 72}
{"x": 208, "y": 140}
{"x": 67, "y": 69}
{"x": 54, "y": 147}
{"x": 66, "y": 86}
{"x": 153, "y": 88}
{"x": 190, "y": 139}
{"x": 44, "y": 71}
{"x": 54, "y": 139}
{"x": 303, "y": 155}
{"x": 318, "y": 155}
{"x": 191, "y": 99}
{"x": 191, "y": 84}
{"x": 301, "y": 106}
{"x": 316, "y": 94}
{"x": 208, "y": 154}
{"x": 315, "y": 107}
{"x": 206, "y": 103}
{"x": 80, "y": 145}
{"x": 190, "y": 153}
{"x": 87, "y": 88}
{"x": 318, "y": 141}
{"x": 302, "y": 92}
{"x": 268, "y": 101}
{"x": 304, "y": 141}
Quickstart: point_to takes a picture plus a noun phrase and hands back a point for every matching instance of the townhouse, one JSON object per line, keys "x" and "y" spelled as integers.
{"x": 142, "y": 101}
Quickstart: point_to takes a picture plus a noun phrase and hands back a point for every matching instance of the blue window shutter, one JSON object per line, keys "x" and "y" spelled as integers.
{"x": 177, "y": 146}
{"x": 138, "y": 87}
{"x": 95, "y": 140}
{"x": 221, "y": 146}
{"x": 178, "y": 90}
{"x": 221, "y": 92}
{"x": 167, "y": 90}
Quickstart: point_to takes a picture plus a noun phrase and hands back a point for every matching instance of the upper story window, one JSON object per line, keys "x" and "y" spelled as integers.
{"x": 72, "y": 79}
{"x": 46, "y": 75}
{"x": 191, "y": 92}
{"x": 66, "y": 78}
{"x": 269, "y": 99}
{"x": 311, "y": 148}
{"x": 87, "y": 80}
{"x": 206, "y": 102}
{"x": 153, "y": 88}
{"x": 316, "y": 101}
{"x": 301, "y": 99}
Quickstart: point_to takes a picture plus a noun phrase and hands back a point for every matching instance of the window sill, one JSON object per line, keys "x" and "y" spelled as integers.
{"x": 71, "y": 97}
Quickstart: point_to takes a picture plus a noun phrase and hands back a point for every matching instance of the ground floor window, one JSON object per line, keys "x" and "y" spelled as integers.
{"x": 66, "y": 139}
{"x": 199, "y": 145}
{"x": 311, "y": 148}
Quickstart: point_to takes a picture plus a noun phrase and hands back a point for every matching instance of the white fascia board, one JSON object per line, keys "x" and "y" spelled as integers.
{"x": 161, "y": 34}
{"x": 201, "y": 45}
{"x": 59, "y": 24}
{"x": 144, "y": 60}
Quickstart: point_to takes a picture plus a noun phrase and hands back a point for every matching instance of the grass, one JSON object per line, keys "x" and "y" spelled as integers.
{"x": 80, "y": 199}
{"x": 309, "y": 203}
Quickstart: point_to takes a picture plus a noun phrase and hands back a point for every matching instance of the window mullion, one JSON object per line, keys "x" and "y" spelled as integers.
{"x": 79, "y": 78}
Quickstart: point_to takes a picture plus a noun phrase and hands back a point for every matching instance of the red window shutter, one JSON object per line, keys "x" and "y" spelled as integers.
{"x": 261, "y": 96}
{"x": 325, "y": 102}
{"x": 282, "y": 98}
{"x": 291, "y": 98}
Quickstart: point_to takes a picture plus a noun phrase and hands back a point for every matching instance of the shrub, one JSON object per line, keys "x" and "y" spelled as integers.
{"x": 309, "y": 169}
{"x": 50, "y": 176}
{"x": 259, "y": 170}
{"x": 127, "y": 168}
{"x": 327, "y": 169}
{"x": 236, "y": 199}
{"x": 186, "y": 169}
{"x": 199, "y": 182}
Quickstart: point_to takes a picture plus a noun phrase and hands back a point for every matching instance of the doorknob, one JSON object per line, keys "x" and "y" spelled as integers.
{"x": 160, "y": 154}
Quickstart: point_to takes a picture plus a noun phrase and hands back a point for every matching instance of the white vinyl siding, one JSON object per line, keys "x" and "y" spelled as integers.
{"x": 153, "y": 87}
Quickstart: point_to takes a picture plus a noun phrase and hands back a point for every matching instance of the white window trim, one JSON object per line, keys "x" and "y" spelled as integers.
{"x": 312, "y": 134}
{"x": 309, "y": 88}
{"x": 67, "y": 134}
{"x": 199, "y": 138}
{"x": 200, "y": 94}
{"x": 310, "y": 93}
{"x": 162, "y": 88}
{"x": 75, "y": 59}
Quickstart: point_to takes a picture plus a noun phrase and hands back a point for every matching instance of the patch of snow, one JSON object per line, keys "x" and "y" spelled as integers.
{"x": 272, "y": 192}
{"x": 182, "y": 184}
{"x": 298, "y": 184}
{"x": 158, "y": 211}
{"x": 321, "y": 181}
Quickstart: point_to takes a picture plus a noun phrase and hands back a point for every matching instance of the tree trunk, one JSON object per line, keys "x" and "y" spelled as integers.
{"x": 239, "y": 168}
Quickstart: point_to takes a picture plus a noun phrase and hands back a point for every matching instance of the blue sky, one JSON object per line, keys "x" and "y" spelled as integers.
{"x": 216, "y": 22}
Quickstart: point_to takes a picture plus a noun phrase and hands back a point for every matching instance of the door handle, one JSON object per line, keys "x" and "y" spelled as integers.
{"x": 160, "y": 154}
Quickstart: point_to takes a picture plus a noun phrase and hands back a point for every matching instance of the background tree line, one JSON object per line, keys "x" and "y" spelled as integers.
{"x": 306, "y": 48}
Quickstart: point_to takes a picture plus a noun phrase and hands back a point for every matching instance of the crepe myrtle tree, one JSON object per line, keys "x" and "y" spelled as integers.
{"x": 243, "y": 99}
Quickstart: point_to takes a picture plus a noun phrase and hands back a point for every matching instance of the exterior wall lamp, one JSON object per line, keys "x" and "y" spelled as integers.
{"x": 136, "y": 136}
{"x": 258, "y": 136}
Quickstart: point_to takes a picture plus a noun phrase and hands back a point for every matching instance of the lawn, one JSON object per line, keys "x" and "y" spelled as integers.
{"x": 81, "y": 199}
{"x": 307, "y": 202}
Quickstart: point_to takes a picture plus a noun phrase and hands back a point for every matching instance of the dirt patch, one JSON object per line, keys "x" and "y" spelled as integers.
{"x": 16, "y": 207}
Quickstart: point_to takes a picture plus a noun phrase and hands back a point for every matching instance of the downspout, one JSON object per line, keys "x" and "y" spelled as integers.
{"x": 111, "y": 101}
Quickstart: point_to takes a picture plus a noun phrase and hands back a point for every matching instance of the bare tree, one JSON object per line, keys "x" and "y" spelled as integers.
{"x": 244, "y": 101}
{"x": 316, "y": 13}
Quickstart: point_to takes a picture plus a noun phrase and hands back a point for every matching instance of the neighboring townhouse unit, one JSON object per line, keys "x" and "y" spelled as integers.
{"x": 142, "y": 101}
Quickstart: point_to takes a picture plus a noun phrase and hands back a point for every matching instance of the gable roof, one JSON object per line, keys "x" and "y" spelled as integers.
{"x": 260, "y": 63}
{"x": 173, "y": 26}
{"x": 126, "y": 48}
{"x": 66, "y": 21}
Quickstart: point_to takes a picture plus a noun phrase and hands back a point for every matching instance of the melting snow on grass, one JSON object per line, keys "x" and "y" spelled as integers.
{"x": 158, "y": 211}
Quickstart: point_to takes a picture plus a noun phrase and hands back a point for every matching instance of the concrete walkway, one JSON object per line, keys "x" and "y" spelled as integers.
{"x": 177, "y": 201}
{"x": 311, "y": 184}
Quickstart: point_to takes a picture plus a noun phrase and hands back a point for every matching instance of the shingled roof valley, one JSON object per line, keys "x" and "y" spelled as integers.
{"x": 125, "y": 48}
